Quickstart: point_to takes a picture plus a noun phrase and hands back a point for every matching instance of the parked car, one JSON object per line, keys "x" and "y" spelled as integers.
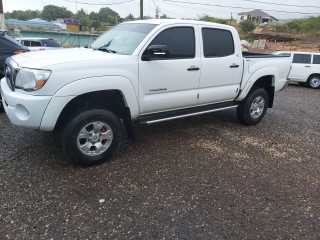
{"x": 8, "y": 47}
{"x": 305, "y": 68}
{"x": 39, "y": 44}
{"x": 139, "y": 72}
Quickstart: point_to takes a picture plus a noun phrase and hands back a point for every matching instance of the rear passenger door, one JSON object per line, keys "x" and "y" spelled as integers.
{"x": 221, "y": 66}
{"x": 301, "y": 67}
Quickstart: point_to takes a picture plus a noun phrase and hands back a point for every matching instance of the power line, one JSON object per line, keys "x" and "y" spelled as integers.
{"x": 224, "y": 6}
{"x": 100, "y": 3}
{"x": 165, "y": 10}
{"x": 195, "y": 8}
{"x": 282, "y": 4}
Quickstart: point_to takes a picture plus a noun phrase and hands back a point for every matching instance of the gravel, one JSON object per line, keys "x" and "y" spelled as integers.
{"x": 204, "y": 177}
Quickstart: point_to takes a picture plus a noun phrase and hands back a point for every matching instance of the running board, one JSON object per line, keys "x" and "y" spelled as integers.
{"x": 188, "y": 112}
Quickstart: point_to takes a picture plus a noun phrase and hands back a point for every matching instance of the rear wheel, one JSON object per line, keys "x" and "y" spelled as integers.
{"x": 91, "y": 137}
{"x": 253, "y": 108}
{"x": 314, "y": 81}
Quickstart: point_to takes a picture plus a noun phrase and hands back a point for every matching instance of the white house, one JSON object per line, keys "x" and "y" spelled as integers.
{"x": 257, "y": 16}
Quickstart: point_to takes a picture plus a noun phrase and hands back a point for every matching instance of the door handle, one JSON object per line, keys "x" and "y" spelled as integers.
{"x": 234, "y": 66}
{"x": 307, "y": 66}
{"x": 193, "y": 68}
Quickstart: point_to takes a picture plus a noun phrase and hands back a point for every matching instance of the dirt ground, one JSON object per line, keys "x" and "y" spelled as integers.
{"x": 203, "y": 177}
{"x": 297, "y": 46}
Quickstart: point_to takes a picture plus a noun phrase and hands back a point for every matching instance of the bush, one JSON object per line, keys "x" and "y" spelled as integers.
{"x": 247, "y": 26}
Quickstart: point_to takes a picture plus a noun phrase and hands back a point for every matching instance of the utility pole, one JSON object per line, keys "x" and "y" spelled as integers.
{"x": 2, "y": 26}
{"x": 141, "y": 9}
{"x": 157, "y": 16}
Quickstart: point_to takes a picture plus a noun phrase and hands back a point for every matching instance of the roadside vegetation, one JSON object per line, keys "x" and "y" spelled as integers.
{"x": 97, "y": 20}
{"x": 106, "y": 17}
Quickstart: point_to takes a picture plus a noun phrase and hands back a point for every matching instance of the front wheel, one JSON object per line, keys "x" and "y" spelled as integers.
{"x": 91, "y": 137}
{"x": 1, "y": 104}
{"x": 253, "y": 108}
{"x": 314, "y": 81}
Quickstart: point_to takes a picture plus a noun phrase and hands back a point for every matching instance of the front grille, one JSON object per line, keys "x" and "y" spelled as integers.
{"x": 11, "y": 69}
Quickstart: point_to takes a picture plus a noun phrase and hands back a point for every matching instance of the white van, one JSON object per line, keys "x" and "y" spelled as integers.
{"x": 39, "y": 44}
{"x": 305, "y": 67}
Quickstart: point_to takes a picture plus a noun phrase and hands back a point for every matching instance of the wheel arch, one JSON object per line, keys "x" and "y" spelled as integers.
{"x": 115, "y": 93}
{"x": 260, "y": 79}
{"x": 267, "y": 83}
{"x": 115, "y": 102}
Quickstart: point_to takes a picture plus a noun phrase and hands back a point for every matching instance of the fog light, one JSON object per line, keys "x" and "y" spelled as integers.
{"x": 22, "y": 112}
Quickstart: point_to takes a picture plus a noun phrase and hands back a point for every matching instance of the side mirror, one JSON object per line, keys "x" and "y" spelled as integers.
{"x": 155, "y": 52}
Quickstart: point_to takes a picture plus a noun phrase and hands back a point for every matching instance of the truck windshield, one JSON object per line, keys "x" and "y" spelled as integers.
{"x": 124, "y": 38}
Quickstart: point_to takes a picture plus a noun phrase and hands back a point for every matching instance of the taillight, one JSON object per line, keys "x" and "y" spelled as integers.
{"x": 18, "y": 52}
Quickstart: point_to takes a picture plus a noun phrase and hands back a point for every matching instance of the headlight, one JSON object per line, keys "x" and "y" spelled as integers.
{"x": 32, "y": 79}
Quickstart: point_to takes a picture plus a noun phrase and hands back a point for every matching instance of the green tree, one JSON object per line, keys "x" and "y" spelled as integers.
{"x": 130, "y": 17}
{"x": 83, "y": 17}
{"x": 106, "y": 14}
{"x": 22, "y": 15}
{"x": 51, "y": 12}
{"x": 94, "y": 16}
{"x": 247, "y": 26}
{"x": 207, "y": 18}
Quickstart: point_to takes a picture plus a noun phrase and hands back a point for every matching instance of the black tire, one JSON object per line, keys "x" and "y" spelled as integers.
{"x": 314, "y": 81}
{"x": 89, "y": 122}
{"x": 253, "y": 108}
{"x": 1, "y": 104}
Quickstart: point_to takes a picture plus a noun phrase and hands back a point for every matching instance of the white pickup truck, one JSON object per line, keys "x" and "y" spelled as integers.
{"x": 138, "y": 72}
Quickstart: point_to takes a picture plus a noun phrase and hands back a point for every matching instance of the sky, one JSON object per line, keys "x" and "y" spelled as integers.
{"x": 281, "y": 9}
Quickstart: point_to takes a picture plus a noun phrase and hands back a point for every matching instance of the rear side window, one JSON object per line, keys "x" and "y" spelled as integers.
{"x": 217, "y": 42}
{"x": 35, "y": 44}
{"x": 26, "y": 43}
{"x": 316, "y": 59}
{"x": 50, "y": 43}
{"x": 180, "y": 42}
{"x": 301, "y": 58}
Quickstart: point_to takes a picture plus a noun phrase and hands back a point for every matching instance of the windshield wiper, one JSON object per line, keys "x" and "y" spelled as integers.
{"x": 106, "y": 50}
{"x": 103, "y": 49}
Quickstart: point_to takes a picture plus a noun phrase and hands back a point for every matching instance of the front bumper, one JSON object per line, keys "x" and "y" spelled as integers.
{"x": 22, "y": 109}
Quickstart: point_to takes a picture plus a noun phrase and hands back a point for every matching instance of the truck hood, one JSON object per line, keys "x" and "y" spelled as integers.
{"x": 44, "y": 59}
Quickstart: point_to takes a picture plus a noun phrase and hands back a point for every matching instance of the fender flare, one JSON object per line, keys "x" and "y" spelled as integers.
{"x": 262, "y": 72}
{"x": 76, "y": 88}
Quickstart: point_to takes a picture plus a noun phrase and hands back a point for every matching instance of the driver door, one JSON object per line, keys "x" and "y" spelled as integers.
{"x": 170, "y": 81}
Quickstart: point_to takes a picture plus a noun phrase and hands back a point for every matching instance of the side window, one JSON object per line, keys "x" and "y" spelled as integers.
{"x": 35, "y": 44}
{"x": 316, "y": 59}
{"x": 26, "y": 43}
{"x": 301, "y": 58}
{"x": 217, "y": 43}
{"x": 180, "y": 42}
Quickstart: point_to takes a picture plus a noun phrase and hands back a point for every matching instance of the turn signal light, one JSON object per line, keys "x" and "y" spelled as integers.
{"x": 18, "y": 52}
{"x": 41, "y": 83}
